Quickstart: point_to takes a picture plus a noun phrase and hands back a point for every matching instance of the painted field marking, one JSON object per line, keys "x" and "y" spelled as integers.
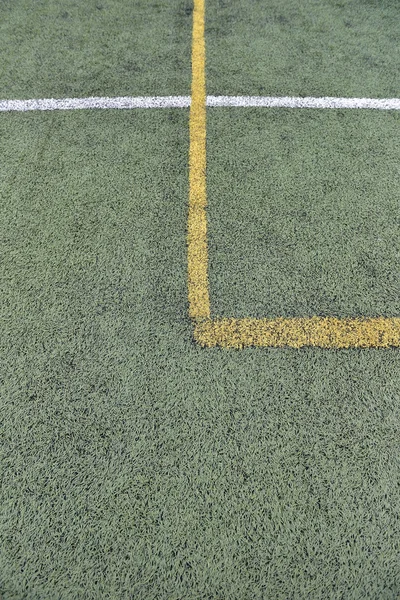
{"x": 122, "y": 102}
{"x": 131, "y": 102}
{"x": 296, "y": 332}
{"x": 199, "y": 297}
{"x": 306, "y": 102}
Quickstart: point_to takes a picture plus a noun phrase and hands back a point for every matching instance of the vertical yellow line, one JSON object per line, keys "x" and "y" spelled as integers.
{"x": 199, "y": 299}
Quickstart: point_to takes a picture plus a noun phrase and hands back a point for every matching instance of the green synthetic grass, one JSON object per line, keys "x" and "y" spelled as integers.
{"x": 307, "y": 48}
{"x": 53, "y": 48}
{"x": 303, "y": 212}
{"x": 135, "y": 464}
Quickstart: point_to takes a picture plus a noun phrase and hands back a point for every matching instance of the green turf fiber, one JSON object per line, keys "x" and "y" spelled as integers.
{"x": 304, "y": 212}
{"x": 308, "y": 48}
{"x": 136, "y": 464}
{"x": 67, "y": 48}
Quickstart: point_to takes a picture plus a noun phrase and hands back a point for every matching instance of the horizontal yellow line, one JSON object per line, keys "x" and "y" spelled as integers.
{"x": 324, "y": 332}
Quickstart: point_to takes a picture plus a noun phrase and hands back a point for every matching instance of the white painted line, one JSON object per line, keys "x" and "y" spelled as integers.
{"x": 81, "y": 103}
{"x": 307, "y": 102}
{"x": 128, "y": 102}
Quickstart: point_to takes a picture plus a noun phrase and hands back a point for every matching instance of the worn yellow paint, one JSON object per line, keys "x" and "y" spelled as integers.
{"x": 296, "y": 332}
{"x": 199, "y": 299}
{"x": 324, "y": 332}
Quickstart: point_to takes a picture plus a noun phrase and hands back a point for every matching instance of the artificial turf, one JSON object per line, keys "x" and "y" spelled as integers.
{"x": 136, "y": 464}
{"x": 53, "y": 48}
{"x": 303, "y": 212}
{"x": 308, "y": 48}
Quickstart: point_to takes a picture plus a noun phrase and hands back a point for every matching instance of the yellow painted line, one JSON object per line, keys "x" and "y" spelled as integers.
{"x": 199, "y": 298}
{"x": 324, "y": 332}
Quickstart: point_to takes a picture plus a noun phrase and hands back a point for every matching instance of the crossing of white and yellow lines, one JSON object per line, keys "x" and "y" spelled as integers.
{"x": 132, "y": 102}
{"x": 296, "y": 332}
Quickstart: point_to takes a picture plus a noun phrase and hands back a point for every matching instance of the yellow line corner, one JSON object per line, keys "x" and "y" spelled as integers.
{"x": 324, "y": 332}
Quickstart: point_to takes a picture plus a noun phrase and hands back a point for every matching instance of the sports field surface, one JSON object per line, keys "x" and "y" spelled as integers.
{"x": 200, "y": 300}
